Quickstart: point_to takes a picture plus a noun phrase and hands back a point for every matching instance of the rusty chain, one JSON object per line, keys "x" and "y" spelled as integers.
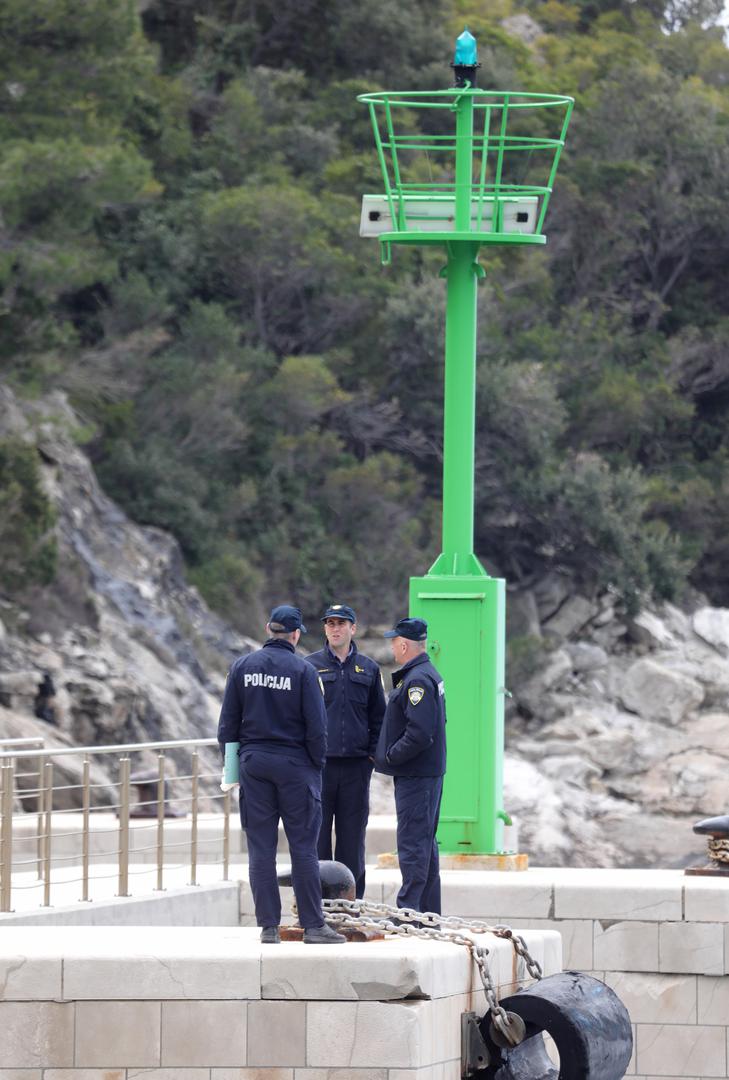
{"x": 718, "y": 850}
{"x": 368, "y": 915}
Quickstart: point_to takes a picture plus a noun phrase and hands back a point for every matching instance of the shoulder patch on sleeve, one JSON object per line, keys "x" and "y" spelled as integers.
{"x": 415, "y": 694}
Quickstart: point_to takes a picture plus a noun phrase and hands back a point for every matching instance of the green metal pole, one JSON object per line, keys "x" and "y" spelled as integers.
{"x": 459, "y": 411}
{"x": 462, "y": 274}
{"x": 464, "y": 160}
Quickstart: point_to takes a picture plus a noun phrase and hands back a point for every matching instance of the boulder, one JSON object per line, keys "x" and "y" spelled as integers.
{"x": 605, "y": 615}
{"x": 574, "y": 613}
{"x": 18, "y": 688}
{"x": 571, "y": 769}
{"x": 712, "y": 626}
{"x": 686, "y": 783}
{"x": 586, "y": 657}
{"x": 522, "y": 615}
{"x": 702, "y": 664}
{"x": 677, "y": 622}
{"x": 524, "y": 27}
{"x": 647, "y": 629}
{"x": 656, "y": 692}
{"x": 550, "y": 592}
{"x": 650, "y": 839}
{"x": 608, "y": 636}
{"x": 710, "y": 731}
{"x": 532, "y": 692}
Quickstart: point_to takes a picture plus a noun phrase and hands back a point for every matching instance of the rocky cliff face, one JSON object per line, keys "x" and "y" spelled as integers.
{"x": 617, "y": 735}
{"x": 620, "y": 741}
{"x": 133, "y": 652}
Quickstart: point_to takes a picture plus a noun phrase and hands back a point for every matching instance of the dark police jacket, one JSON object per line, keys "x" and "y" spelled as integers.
{"x": 273, "y": 701}
{"x": 355, "y": 701}
{"x": 412, "y": 741}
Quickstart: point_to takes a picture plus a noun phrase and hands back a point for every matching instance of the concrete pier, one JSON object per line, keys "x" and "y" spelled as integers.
{"x": 214, "y": 1004}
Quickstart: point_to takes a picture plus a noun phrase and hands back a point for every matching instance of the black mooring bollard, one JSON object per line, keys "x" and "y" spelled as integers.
{"x": 588, "y": 1022}
{"x": 716, "y": 831}
{"x": 337, "y": 880}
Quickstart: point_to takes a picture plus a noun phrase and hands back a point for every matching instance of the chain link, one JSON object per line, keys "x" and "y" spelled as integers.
{"x": 719, "y": 850}
{"x": 406, "y": 922}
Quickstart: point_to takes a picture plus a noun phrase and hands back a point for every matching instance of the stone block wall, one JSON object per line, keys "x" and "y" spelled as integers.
{"x": 90, "y": 1003}
{"x": 659, "y": 938}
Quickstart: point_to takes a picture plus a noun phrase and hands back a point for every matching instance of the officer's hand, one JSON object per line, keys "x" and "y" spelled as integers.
{"x": 225, "y": 786}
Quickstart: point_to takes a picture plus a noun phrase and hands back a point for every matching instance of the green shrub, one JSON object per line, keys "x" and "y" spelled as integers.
{"x": 28, "y": 551}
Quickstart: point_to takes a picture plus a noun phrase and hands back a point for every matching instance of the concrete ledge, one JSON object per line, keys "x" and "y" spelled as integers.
{"x": 82, "y": 1004}
{"x": 216, "y": 903}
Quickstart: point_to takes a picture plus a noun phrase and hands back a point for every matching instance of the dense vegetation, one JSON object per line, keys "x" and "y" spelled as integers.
{"x": 180, "y": 195}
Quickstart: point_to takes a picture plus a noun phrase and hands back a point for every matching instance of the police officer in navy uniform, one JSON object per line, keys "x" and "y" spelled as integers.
{"x": 274, "y": 707}
{"x": 355, "y": 703}
{"x": 412, "y": 749}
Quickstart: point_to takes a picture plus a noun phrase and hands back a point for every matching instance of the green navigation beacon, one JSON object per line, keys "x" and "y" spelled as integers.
{"x": 462, "y": 168}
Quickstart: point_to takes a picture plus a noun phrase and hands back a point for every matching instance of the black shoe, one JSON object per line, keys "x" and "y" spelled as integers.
{"x": 270, "y": 936}
{"x": 323, "y": 935}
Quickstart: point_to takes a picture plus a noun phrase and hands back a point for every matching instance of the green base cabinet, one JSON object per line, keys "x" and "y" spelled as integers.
{"x": 466, "y": 632}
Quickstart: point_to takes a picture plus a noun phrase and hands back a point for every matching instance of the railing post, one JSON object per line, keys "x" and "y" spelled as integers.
{"x": 193, "y": 826}
{"x": 6, "y": 835}
{"x": 160, "y": 819}
{"x": 124, "y": 827}
{"x": 48, "y": 816}
{"x": 40, "y": 847}
{"x": 226, "y": 835}
{"x": 85, "y": 831}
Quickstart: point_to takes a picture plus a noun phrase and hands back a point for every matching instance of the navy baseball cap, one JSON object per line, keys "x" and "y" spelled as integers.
{"x": 339, "y": 611}
{"x": 413, "y": 629}
{"x": 284, "y": 617}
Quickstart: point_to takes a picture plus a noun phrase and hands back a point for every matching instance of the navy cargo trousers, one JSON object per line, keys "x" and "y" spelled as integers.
{"x": 417, "y": 801}
{"x": 346, "y": 801}
{"x": 274, "y": 786}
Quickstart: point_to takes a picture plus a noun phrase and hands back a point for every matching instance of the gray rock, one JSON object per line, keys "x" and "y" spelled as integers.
{"x": 524, "y": 27}
{"x": 18, "y": 688}
{"x": 557, "y": 668}
{"x": 586, "y": 657}
{"x": 550, "y": 592}
{"x": 657, "y": 692}
{"x": 522, "y": 615}
{"x": 571, "y": 769}
{"x": 574, "y": 613}
{"x": 712, "y": 626}
{"x": 677, "y": 622}
{"x": 647, "y": 629}
{"x": 607, "y": 636}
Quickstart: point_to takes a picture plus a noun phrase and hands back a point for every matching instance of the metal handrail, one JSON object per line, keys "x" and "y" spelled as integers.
{"x": 122, "y": 852}
{"x": 60, "y": 751}
{"x": 29, "y": 741}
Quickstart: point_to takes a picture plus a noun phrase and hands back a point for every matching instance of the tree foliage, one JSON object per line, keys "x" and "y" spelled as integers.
{"x": 179, "y": 250}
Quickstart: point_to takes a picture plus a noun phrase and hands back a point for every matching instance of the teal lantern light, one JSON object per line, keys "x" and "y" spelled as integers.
{"x": 465, "y": 61}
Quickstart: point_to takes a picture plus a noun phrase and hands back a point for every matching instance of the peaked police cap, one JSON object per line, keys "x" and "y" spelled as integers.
{"x": 286, "y": 618}
{"x": 412, "y": 629}
{"x": 339, "y": 611}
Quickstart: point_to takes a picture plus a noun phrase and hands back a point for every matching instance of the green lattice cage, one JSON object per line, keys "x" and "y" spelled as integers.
{"x": 468, "y": 164}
